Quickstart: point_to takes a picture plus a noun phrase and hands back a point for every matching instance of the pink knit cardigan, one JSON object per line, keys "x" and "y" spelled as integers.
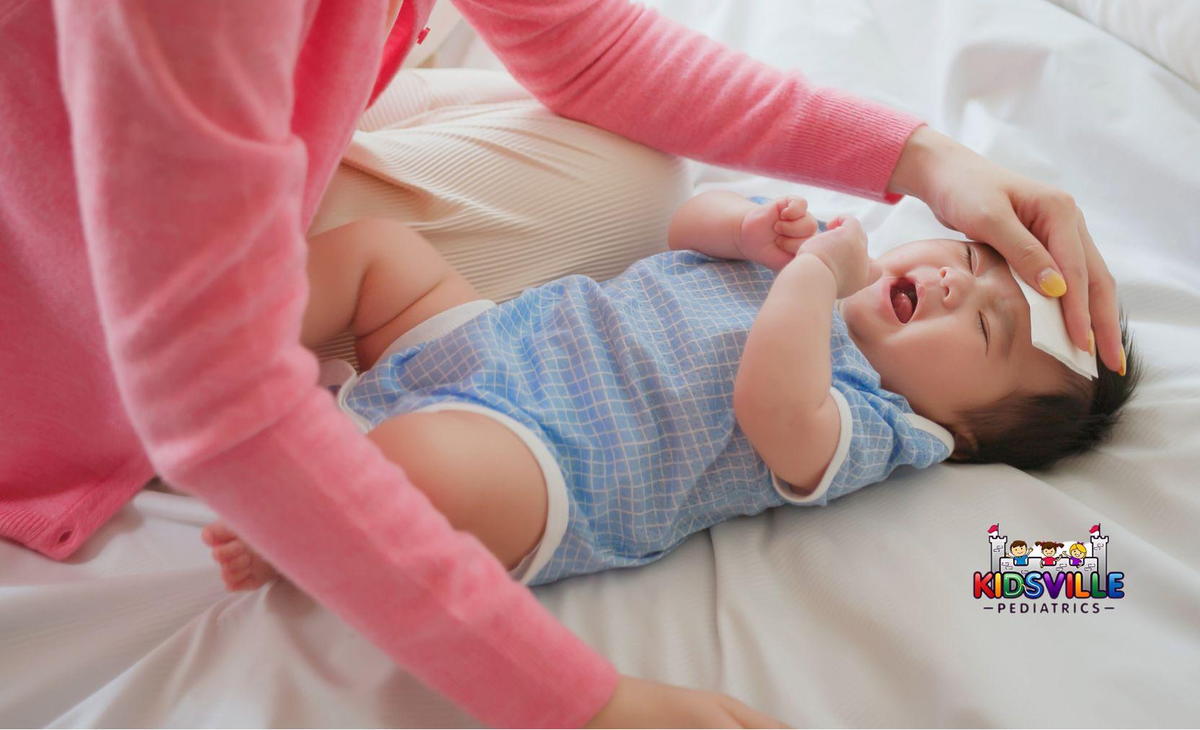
{"x": 159, "y": 164}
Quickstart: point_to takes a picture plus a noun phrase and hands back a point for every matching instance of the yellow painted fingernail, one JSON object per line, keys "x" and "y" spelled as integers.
{"x": 1122, "y": 373}
{"x": 1052, "y": 283}
{"x": 1091, "y": 342}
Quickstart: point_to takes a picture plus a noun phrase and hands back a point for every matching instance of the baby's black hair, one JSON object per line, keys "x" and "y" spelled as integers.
{"x": 1035, "y": 431}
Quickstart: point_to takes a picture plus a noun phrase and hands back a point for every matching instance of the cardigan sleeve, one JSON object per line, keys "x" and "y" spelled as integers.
{"x": 623, "y": 67}
{"x": 189, "y": 181}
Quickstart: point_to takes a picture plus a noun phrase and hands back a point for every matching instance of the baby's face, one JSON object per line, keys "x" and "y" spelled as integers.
{"x": 965, "y": 345}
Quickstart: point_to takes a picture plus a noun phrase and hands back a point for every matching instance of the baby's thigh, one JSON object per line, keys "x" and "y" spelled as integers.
{"x": 476, "y": 471}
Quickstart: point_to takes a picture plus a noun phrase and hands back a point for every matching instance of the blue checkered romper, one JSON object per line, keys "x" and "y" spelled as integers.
{"x": 628, "y": 384}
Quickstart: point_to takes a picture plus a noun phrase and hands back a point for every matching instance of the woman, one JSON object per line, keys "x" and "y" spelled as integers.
{"x": 160, "y": 167}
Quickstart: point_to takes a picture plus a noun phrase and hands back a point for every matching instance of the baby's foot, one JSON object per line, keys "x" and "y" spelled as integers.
{"x": 242, "y": 568}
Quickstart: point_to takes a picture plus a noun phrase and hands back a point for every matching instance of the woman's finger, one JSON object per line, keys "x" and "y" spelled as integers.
{"x": 1005, "y": 233}
{"x": 1102, "y": 299}
{"x": 1066, "y": 246}
{"x": 1058, "y": 225}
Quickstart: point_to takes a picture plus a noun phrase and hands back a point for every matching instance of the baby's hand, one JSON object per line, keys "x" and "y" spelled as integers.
{"x": 843, "y": 248}
{"x": 773, "y": 231}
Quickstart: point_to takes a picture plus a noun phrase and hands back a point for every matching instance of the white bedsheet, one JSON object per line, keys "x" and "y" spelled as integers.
{"x": 860, "y": 613}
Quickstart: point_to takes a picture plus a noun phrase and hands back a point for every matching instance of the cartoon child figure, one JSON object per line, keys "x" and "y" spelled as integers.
{"x": 1077, "y": 553}
{"x": 1020, "y": 552}
{"x": 1049, "y": 549}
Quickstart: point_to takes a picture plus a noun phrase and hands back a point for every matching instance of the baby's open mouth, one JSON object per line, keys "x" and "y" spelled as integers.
{"x": 904, "y": 299}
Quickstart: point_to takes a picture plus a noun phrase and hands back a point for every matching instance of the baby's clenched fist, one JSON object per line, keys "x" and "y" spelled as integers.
{"x": 772, "y": 232}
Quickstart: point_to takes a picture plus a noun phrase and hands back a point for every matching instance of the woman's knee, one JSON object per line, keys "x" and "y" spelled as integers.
{"x": 623, "y": 177}
{"x": 514, "y": 183}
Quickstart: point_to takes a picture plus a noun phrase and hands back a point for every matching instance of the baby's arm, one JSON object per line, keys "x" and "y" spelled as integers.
{"x": 781, "y": 395}
{"x": 726, "y": 225}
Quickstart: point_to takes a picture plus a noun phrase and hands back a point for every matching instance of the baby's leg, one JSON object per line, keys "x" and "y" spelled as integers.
{"x": 477, "y": 472}
{"x": 379, "y": 279}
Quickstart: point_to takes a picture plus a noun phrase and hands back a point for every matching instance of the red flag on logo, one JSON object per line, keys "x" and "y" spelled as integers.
{"x": 1095, "y": 528}
{"x": 994, "y": 528}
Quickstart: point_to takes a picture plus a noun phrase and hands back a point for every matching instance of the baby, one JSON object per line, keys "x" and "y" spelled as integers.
{"x": 584, "y": 426}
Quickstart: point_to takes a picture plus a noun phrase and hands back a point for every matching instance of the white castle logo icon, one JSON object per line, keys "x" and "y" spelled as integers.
{"x": 1096, "y": 561}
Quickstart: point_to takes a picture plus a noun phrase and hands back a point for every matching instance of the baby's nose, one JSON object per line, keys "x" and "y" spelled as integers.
{"x": 954, "y": 286}
{"x": 945, "y": 276}
{"x": 954, "y": 283}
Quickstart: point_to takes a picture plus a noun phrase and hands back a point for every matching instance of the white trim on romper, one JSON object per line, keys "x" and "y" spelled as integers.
{"x": 439, "y": 324}
{"x": 558, "y": 508}
{"x": 845, "y": 434}
{"x": 933, "y": 429}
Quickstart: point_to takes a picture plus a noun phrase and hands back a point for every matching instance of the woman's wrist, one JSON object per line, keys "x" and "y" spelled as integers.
{"x": 920, "y": 153}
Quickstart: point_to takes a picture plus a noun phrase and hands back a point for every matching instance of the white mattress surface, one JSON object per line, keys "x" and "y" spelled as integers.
{"x": 860, "y": 613}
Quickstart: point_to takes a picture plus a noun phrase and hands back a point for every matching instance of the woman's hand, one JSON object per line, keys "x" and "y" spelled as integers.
{"x": 642, "y": 703}
{"x": 1038, "y": 228}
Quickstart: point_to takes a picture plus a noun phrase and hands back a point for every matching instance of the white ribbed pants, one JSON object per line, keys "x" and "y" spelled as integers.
{"x": 509, "y": 193}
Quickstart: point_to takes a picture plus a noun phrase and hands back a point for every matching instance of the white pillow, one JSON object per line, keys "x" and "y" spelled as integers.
{"x": 1166, "y": 30}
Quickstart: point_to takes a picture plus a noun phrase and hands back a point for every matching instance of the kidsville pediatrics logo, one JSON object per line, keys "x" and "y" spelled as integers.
{"x": 1070, "y": 570}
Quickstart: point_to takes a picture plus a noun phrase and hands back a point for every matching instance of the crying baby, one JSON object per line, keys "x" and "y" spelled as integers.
{"x": 759, "y": 363}
{"x": 948, "y": 327}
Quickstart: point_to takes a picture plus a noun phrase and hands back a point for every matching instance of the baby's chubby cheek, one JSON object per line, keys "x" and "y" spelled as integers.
{"x": 913, "y": 360}
{"x": 932, "y": 365}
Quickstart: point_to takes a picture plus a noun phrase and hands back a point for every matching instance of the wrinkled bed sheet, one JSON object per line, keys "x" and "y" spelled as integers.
{"x": 860, "y": 613}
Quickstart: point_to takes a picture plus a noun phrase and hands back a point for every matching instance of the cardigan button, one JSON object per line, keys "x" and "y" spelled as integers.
{"x": 65, "y": 536}
{"x": 421, "y": 36}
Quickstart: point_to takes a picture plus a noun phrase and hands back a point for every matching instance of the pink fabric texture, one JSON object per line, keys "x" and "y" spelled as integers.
{"x": 159, "y": 164}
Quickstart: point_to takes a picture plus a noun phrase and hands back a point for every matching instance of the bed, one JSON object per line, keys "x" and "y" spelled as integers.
{"x": 862, "y": 613}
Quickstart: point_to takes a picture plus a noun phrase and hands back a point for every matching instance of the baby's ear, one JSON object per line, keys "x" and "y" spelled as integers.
{"x": 965, "y": 445}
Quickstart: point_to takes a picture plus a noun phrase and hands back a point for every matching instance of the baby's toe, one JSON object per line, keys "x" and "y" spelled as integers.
{"x": 238, "y": 562}
{"x": 228, "y": 551}
{"x": 217, "y": 533}
{"x": 244, "y": 578}
{"x": 250, "y": 577}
